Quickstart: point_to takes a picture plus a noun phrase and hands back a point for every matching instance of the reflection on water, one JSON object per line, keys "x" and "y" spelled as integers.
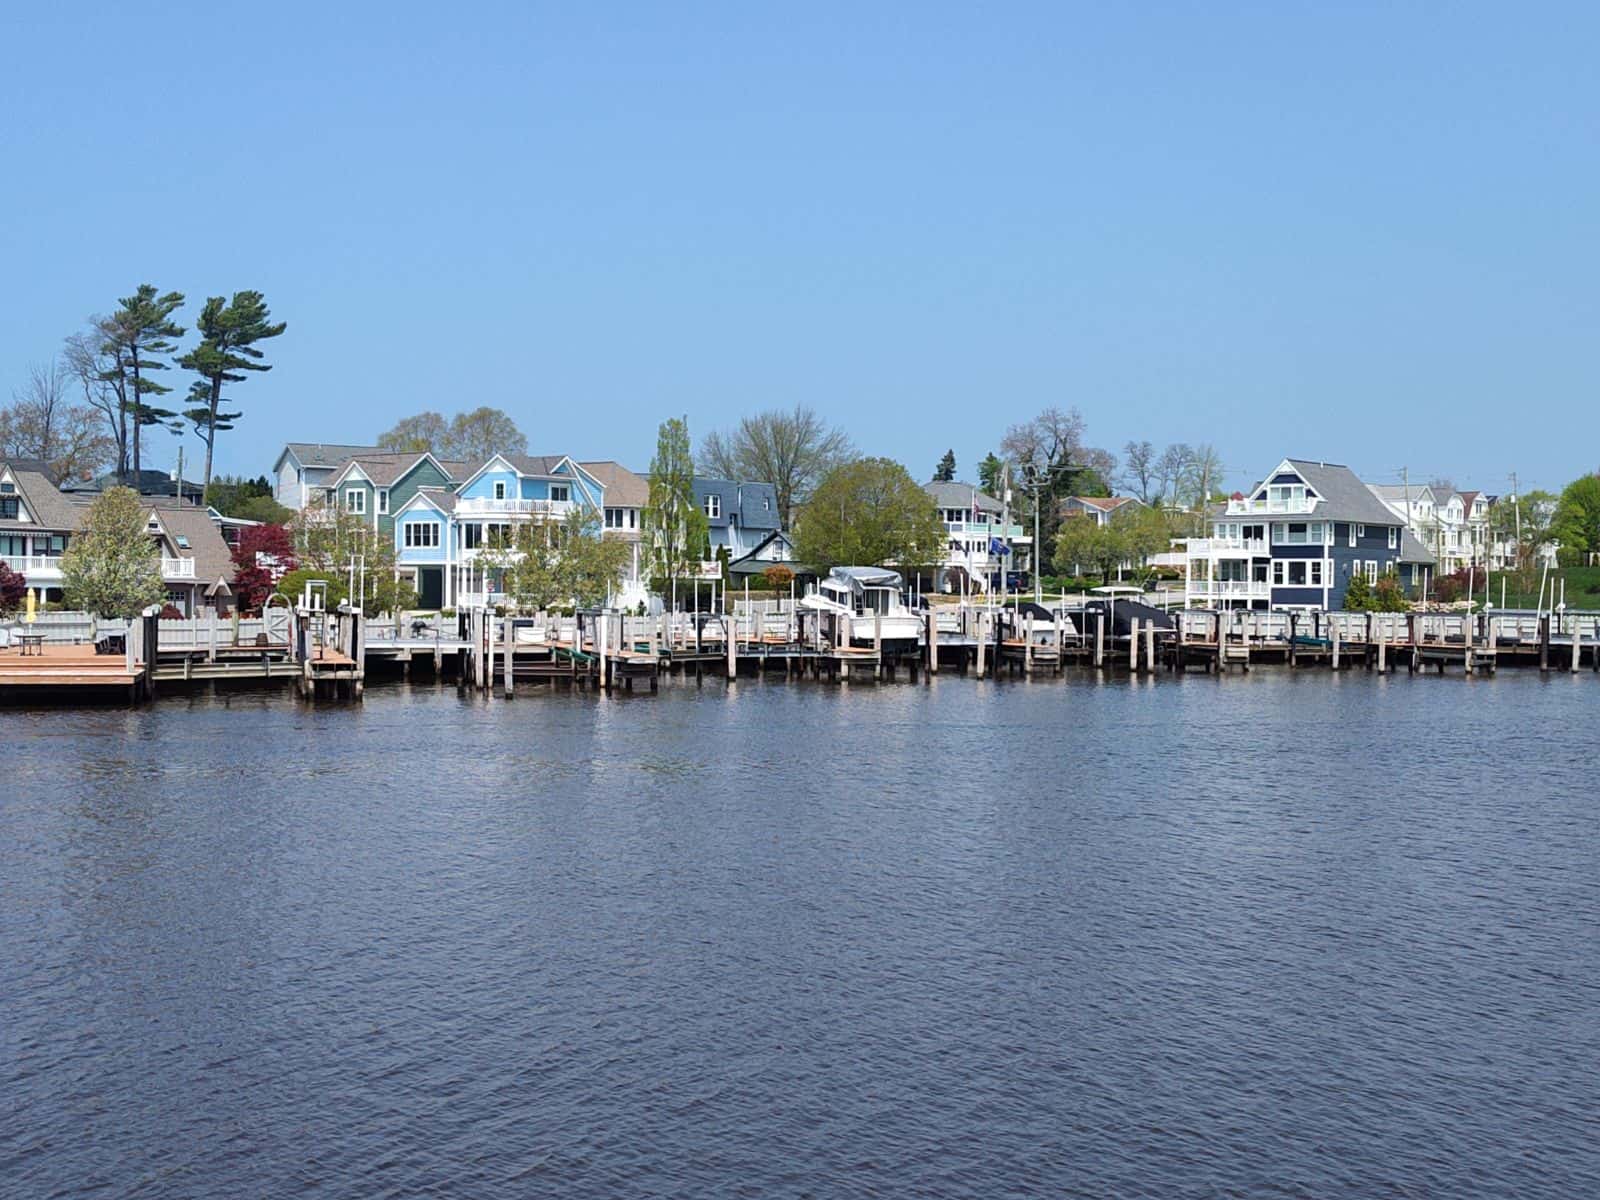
{"x": 1276, "y": 934}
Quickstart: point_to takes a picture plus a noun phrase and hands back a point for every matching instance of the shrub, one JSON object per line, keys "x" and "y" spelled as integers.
{"x": 293, "y": 585}
{"x": 778, "y": 577}
{"x": 171, "y": 612}
{"x": 13, "y": 590}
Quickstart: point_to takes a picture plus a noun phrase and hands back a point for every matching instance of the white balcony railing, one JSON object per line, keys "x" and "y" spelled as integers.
{"x": 1286, "y": 507}
{"x": 33, "y": 564}
{"x": 177, "y": 568}
{"x": 1229, "y": 588}
{"x": 480, "y": 506}
{"x": 1226, "y": 547}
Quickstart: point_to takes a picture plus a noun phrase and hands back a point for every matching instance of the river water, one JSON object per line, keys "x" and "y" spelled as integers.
{"x": 1273, "y": 935}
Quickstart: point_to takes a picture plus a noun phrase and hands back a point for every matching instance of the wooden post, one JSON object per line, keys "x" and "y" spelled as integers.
{"x": 1333, "y": 633}
{"x": 510, "y": 657}
{"x": 933, "y": 641}
{"x": 1466, "y": 642}
{"x": 1577, "y": 643}
{"x": 211, "y": 655}
{"x": 1544, "y": 643}
{"x": 732, "y": 629}
{"x": 1150, "y": 646}
{"x": 1133, "y": 644}
{"x": 1099, "y": 639}
{"x": 1027, "y": 645}
{"x": 1383, "y": 643}
{"x": 978, "y": 624}
{"x": 877, "y": 644}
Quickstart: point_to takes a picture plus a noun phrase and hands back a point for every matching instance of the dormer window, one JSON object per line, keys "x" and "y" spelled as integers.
{"x": 183, "y": 541}
{"x": 713, "y": 506}
{"x": 8, "y": 489}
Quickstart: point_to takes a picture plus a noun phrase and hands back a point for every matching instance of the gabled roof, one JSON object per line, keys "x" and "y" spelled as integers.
{"x": 755, "y": 505}
{"x": 1103, "y": 503}
{"x": 624, "y": 489}
{"x": 1395, "y": 493}
{"x": 543, "y": 466}
{"x": 441, "y": 499}
{"x": 961, "y": 495}
{"x": 212, "y": 559}
{"x": 322, "y": 454}
{"x": 385, "y": 469}
{"x": 1345, "y": 496}
{"x": 49, "y": 508}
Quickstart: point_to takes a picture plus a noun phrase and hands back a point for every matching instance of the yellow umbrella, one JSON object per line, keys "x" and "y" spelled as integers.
{"x": 33, "y": 606}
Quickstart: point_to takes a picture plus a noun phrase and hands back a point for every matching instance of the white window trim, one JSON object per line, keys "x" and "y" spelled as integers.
{"x": 565, "y": 493}
{"x": 355, "y": 502}
{"x": 714, "y": 506}
{"x": 1394, "y": 538}
{"x": 499, "y": 489}
{"x": 412, "y": 538}
{"x": 383, "y": 502}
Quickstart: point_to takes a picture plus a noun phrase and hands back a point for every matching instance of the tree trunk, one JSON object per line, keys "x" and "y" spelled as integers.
{"x": 211, "y": 439}
{"x": 138, "y": 426}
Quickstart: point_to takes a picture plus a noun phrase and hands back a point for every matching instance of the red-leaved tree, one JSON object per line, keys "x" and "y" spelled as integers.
{"x": 13, "y": 587}
{"x": 263, "y": 555}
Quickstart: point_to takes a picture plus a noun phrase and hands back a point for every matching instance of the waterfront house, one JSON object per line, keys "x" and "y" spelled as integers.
{"x": 303, "y": 469}
{"x": 740, "y": 517}
{"x": 1294, "y": 540}
{"x": 1453, "y": 525}
{"x": 374, "y": 485}
{"x": 981, "y": 542}
{"x": 38, "y": 522}
{"x": 441, "y": 533}
{"x": 626, "y": 495}
{"x": 1099, "y": 509}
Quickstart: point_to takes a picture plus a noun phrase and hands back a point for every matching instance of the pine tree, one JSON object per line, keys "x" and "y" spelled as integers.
{"x": 945, "y": 472}
{"x": 133, "y": 339}
{"x": 228, "y": 334}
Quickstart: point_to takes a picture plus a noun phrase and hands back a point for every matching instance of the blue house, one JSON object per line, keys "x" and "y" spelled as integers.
{"x": 1295, "y": 540}
{"x": 441, "y": 532}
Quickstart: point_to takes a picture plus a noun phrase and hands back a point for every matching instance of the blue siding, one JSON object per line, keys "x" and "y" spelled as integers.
{"x": 430, "y": 554}
{"x": 482, "y": 488}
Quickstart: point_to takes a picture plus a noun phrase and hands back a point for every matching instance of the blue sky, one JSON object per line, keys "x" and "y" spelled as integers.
{"x": 1366, "y": 234}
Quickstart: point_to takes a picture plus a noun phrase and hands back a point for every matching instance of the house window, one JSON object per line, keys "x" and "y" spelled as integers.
{"x": 421, "y": 535}
{"x": 383, "y": 501}
{"x": 560, "y": 493}
{"x": 1316, "y": 572}
{"x": 355, "y": 501}
{"x": 1353, "y": 529}
{"x": 613, "y": 518}
{"x": 10, "y": 506}
{"x": 1277, "y": 573}
{"x": 1394, "y": 538}
{"x": 499, "y": 489}
{"x": 8, "y": 489}
{"x": 1372, "y": 570}
{"x": 713, "y": 506}
{"x": 1361, "y": 531}
{"x": 1297, "y": 573}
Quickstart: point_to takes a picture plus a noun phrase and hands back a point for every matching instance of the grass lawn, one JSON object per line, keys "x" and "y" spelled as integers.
{"x": 1583, "y": 588}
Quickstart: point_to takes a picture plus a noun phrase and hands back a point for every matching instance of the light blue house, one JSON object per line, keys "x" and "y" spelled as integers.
{"x": 441, "y": 533}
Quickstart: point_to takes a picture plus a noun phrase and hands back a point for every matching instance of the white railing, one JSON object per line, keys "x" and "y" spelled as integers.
{"x": 1289, "y": 507}
{"x": 480, "y": 506}
{"x": 1200, "y": 589}
{"x": 1209, "y": 547}
{"x": 177, "y": 568}
{"x": 988, "y": 529}
{"x": 32, "y": 563}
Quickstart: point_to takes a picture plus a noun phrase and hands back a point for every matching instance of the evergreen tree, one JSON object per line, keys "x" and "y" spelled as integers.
{"x": 133, "y": 339}
{"x": 945, "y": 472}
{"x": 674, "y": 525}
{"x": 989, "y": 473}
{"x": 229, "y": 332}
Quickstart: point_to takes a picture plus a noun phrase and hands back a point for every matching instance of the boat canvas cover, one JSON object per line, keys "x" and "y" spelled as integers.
{"x": 1124, "y": 613}
{"x": 858, "y": 579}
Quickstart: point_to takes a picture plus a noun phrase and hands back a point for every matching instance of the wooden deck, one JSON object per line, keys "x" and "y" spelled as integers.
{"x": 64, "y": 666}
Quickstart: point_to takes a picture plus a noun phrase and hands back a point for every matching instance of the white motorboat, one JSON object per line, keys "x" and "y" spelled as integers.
{"x": 870, "y": 599}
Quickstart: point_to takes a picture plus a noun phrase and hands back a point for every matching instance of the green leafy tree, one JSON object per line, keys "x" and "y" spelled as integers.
{"x": 424, "y": 432}
{"x": 262, "y": 508}
{"x": 1083, "y": 542}
{"x": 133, "y": 341}
{"x": 1358, "y": 594}
{"x": 329, "y": 540}
{"x": 229, "y": 331}
{"x": 476, "y": 436}
{"x": 1389, "y": 595}
{"x": 293, "y": 584}
{"x": 674, "y": 528}
{"x": 553, "y": 564}
{"x": 870, "y": 513}
{"x": 1577, "y": 519}
{"x": 945, "y": 472}
{"x": 112, "y": 566}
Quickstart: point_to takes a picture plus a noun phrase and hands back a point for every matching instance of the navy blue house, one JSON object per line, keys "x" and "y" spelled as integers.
{"x": 1296, "y": 539}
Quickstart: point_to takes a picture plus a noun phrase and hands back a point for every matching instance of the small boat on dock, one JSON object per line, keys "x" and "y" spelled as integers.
{"x": 870, "y": 601}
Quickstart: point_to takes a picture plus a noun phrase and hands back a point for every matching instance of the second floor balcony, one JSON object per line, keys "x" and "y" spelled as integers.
{"x": 1227, "y": 547}
{"x": 481, "y": 506}
{"x": 177, "y": 568}
{"x": 1287, "y": 507}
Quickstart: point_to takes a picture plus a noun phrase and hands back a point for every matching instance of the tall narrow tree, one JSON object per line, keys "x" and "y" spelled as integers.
{"x": 229, "y": 331}
{"x": 945, "y": 472}
{"x": 134, "y": 338}
{"x": 674, "y": 526}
